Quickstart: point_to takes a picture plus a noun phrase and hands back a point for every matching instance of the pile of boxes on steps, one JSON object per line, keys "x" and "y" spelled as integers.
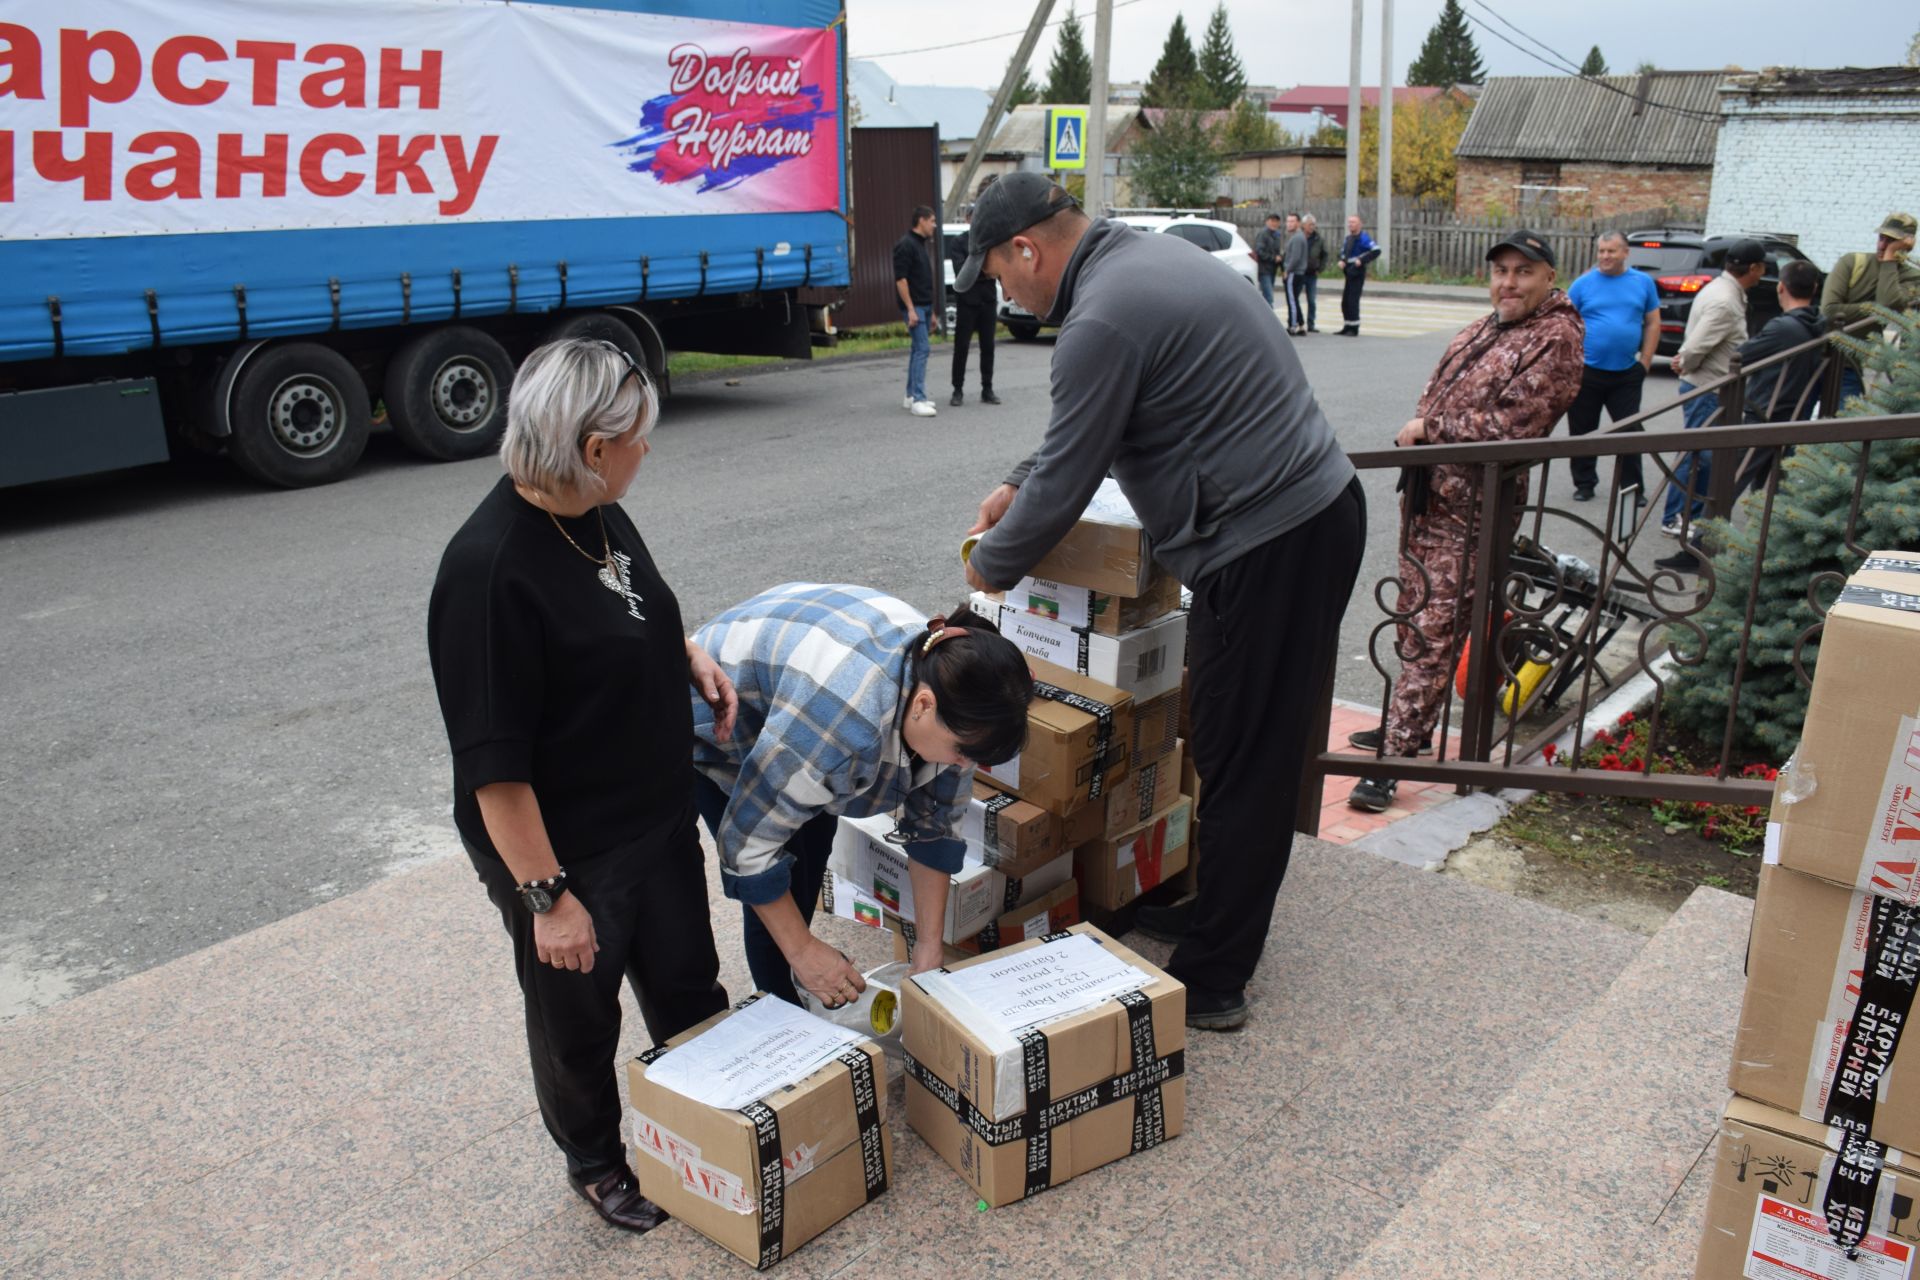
{"x": 1817, "y": 1171}
{"x": 1044, "y": 1049}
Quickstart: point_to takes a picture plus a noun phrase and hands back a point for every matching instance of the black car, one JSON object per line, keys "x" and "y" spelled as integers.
{"x": 1682, "y": 259}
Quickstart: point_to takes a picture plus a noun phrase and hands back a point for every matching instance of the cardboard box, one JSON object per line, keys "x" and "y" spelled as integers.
{"x": 1078, "y": 731}
{"x": 1145, "y": 662}
{"x": 1106, "y": 549}
{"x": 1059, "y": 909}
{"x": 1156, "y": 727}
{"x": 1145, "y": 791}
{"x": 1017, "y": 1116}
{"x": 1819, "y": 955}
{"x": 1187, "y": 880}
{"x": 1189, "y": 778}
{"x": 862, "y": 854}
{"x": 1858, "y": 762}
{"x": 1085, "y": 609}
{"x": 1009, "y": 834}
{"x": 1767, "y": 1204}
{"x": 1115, "y": 871}
{"x": 762, "y": 1181}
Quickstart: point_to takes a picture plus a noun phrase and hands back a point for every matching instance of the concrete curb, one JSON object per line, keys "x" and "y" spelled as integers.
{"x": 1426, "y": 292}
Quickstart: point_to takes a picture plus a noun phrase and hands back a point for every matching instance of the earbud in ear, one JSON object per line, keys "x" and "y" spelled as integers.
{"x": 1026, "y": 253}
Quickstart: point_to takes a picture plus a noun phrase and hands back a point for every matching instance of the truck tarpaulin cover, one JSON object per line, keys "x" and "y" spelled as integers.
{"x": 135, "y": 118}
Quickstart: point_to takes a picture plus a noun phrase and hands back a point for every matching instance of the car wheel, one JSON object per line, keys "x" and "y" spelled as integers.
{"x": 300, "y": 416}
{"x": 1024, "y": 332}
{"x": 446, "y": 393}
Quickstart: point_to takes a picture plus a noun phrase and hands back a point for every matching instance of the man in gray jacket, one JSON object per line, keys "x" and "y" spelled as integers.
{"x": 1294, "y": 263}
{"x": 1174, "y": 380}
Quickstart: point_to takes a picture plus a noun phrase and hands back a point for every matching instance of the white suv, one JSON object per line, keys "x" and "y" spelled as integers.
{"x": 1217, "y": 238}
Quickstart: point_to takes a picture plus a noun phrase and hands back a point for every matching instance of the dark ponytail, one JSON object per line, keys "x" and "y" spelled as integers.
{"x": 980, "y": 683}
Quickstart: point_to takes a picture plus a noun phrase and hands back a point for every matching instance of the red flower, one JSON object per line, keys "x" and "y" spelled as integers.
{"x": 1753, "y": 810}
{"x": 1625, "y": 720}
{"x": 1548, "y": 752}
{"x": 1701, "y": 806}
{"x": 1604, "y": 738}
{"x": 1712, "y": 828}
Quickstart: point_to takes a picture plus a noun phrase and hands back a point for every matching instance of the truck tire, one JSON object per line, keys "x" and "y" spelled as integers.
{"x": 446, "y": 393}
{"x": 300, "y": 416}
{"x": 1023, "y": 332}
{"x": 610, "y": 328}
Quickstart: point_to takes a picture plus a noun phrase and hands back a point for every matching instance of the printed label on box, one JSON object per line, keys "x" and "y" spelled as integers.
{"x": 1791, "y": 1243}
{"x": 1893, "y": 847}
{"x": 1069, "y": 606}
{"x": 1034, "y": 928}
{"x": 1007, "y": 772}
{"x": 696, "y": 1175}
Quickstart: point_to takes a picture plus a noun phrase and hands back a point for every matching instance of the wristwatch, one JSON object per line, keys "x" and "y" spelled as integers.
{"x": 540, "y": 895}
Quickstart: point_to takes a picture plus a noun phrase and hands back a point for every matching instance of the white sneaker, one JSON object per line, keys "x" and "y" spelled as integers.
{"x": 922, "y": 408}
{"x": 907, "y": 403}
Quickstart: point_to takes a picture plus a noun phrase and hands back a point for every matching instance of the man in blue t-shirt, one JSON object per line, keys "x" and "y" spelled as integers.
{"x": 1621, "y": 310}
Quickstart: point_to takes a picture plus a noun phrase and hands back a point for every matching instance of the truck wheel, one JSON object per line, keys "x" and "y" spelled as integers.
{"x": 1024, "y": 332}
{"x": 611, "y": 328}
{"x": 446, "y": 393}
{"x": 300, "y": 416}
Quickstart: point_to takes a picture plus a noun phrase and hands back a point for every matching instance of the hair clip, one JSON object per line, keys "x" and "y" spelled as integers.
{"x": 937, "y": 625}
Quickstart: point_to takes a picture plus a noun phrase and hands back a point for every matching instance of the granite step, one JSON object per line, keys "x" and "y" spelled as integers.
{"x": 1596, "y": 1162}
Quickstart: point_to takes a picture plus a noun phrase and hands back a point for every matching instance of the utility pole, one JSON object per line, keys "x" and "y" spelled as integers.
{"x": 1095, "y": 200}
{"x": 963, "y": 181}
{"x": 1383, "y": 216}
{"x": 1353, "y": 115}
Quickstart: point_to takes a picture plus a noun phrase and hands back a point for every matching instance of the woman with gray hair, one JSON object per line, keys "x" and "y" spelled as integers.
{"x": 562, "y": 671}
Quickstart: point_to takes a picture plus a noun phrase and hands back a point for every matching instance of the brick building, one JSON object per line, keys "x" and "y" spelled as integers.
{"x": 1589, "y": 147}
{"x": 1845, "y": 136}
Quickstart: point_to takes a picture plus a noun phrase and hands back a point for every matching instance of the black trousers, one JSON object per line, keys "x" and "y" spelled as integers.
{"x": 1262, "y": 639}
{"x": 972, "y": 318}
{"x": 1618, "y": 391}
{"x": 1350, "y": 298}
{"x": 648, "y": 900}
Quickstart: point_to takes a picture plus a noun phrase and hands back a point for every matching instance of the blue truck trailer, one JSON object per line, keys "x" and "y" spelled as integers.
{"x": 241, "y": 225}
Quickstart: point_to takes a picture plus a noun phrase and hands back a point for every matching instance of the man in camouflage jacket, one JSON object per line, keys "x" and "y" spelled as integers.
{"x": 1509, "y": 376}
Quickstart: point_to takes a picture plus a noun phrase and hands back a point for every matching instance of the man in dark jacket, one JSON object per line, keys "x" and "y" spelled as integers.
{"x": 1356, "y": 251}
{"x": 1310, "y": 278}
{"x": 1176, "y": 380}
{"x": 1780, "y": 392}
{"x": 913, "y": 283}
{"x": 973, "y": 312}
{"x": 1267, "y": 247}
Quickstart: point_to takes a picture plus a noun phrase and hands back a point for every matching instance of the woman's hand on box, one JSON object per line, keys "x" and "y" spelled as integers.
{"x": 821, "y": 969}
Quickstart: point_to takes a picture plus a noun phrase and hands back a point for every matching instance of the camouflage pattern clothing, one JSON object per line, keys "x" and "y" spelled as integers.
{"x": 1496, "y": 382}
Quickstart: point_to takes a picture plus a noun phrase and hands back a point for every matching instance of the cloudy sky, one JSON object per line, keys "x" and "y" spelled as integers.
{"x": 1286, "y": 42}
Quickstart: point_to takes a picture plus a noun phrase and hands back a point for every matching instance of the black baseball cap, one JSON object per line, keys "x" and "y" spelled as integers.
{"x": 1005, "y": 209}
{"x": 1742, "y": 254}
{"x": 1530, "y": 243}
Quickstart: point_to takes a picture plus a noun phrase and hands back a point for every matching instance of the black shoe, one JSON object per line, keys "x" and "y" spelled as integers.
{"x": 959, "y": 398}
{"x": 1687, "y": 559}
{"x": 616, "y": 1197}
{"x": 1350, "y": 331}
{"x": 1371, "y": 740}
{"x": 987, "y": 396}
{"x": 1311, "y": 329}
{"x": 1375, "y": 795}
{"x": 1167, "y": 923}
{"x": 1216, "y": 1010}
{"x": 1583, "y": 493}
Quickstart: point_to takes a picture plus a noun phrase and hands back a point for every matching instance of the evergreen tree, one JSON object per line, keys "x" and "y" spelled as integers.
{"x": 1248, "y": 129}
{"x": 1449, "y": 55}
{"x": 1024, "y": 91}
{"x": 1070, "y": 75}
{"x": 1645, "y": 68}
{"x": 1223, "y": 81}
{"x": 1595, "y": 65}
{"x": 1175, "y": 165}
{"x": 1174, "y": 82}
{"x": 1807, "y": 537}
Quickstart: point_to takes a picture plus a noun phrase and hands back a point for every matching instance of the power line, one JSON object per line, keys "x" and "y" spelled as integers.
{"x": 961, "y": 44}
{"x": 1566, "y": 67}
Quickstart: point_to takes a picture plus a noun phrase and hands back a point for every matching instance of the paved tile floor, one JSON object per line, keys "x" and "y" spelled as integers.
{"x": 1341, "y": 824}
{"x": 344, "y": 1093}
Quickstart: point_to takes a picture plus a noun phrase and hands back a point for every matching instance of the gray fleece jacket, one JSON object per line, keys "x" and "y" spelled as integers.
{"x": 1175, "y": 375}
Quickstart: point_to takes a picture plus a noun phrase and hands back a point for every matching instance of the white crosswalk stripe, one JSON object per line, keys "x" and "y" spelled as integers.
{"x": 1410, "y": 317}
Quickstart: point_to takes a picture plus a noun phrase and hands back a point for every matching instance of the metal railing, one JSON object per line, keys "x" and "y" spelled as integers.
{"x": 1572, "y": 612}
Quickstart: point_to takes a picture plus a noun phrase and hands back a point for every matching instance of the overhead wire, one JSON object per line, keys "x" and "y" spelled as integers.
{"x": 1565, "y": 66}
{"x": 961, "y": 44}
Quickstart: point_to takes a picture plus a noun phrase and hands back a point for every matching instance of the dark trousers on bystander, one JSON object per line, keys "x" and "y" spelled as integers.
{"x": 972, "y": 318}
{"x": 1618, "y": 392}
{"x": 1350, "y": 298}
{"x": 648, "y": 900}
{"x": 1265, "y": 631}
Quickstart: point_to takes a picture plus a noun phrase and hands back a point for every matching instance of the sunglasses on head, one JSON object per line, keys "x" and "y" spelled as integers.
{"x": 632, "y": 368}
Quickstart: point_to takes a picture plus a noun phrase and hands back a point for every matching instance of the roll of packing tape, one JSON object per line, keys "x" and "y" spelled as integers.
{"x": 967, "y": 544}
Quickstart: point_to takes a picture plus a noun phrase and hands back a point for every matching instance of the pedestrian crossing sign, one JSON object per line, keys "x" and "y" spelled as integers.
{"x": 1066, "y": 137}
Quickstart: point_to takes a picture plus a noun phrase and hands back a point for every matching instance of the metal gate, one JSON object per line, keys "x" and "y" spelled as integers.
{"x": 892, "y": 171}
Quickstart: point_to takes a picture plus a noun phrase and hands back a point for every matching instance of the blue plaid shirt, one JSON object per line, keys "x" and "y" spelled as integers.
{"x": 819, "y": 671}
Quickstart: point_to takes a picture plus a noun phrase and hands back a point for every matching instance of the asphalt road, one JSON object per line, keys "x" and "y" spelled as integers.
{"x": 217, "y": 709}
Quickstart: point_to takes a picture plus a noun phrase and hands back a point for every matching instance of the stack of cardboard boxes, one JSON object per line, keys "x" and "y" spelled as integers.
{"x": 1810, "y": 1179}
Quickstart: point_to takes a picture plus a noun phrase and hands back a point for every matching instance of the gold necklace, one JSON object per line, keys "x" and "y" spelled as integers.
{"x": 605, "y": 557}
{"x": 612, "y": 575}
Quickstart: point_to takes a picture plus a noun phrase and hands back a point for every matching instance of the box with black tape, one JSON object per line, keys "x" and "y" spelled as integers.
{"x": 1106, "y": 549}
{"x": 1086, "y": 609}
{"x": 1156, "y": 727}
{"x": 1145, "y": 662}
{"x": 1146, "y": 790}
{"x": 1051, "y": 912}
{"x": 1116, "y": 869}
{"x": 1077, "y": 735}
{"x": 864, "y": 858}
{"x": 1779, "y": 1190}
{"x": 1043, "y": 1061}
{"x": 1008, "y": 834}
{"x": 761, "y": 1127}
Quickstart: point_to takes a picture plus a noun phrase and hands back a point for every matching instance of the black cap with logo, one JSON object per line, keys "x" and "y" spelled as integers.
{"x": 1531, "y": 243}
{"x": 1005, "y": 209}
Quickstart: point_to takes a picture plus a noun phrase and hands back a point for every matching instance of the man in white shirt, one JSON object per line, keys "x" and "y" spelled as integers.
{"x": 1716, "y": 326}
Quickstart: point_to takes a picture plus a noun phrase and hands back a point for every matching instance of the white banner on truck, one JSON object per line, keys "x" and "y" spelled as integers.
{"x": 140, "y": 117}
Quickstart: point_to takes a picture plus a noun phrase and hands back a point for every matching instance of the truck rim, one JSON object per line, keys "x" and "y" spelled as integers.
{"x": 305, "y": 413}
{"x": 463, "y": 393}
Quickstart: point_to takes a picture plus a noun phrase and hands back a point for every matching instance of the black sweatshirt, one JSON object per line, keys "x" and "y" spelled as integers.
{"x": 548, "y": 676}
{"x": 911, "y": 263}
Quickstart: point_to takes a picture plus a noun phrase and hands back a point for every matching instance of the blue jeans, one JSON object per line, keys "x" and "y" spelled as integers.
{"x": 1694, "y": 469}
{"x": 1850, "y": 386}
{"x": 917, "y": 357}
{"x": 1310, "y": 286}
{"x": 1266, "y": 283}
{"x": 810, "y": 847}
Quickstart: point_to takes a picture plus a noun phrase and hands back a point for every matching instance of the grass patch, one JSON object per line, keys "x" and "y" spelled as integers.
{"x": 853, "y": 342}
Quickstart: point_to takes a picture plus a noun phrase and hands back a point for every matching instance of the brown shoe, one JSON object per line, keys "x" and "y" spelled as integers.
{"x": 616, "y": 1197}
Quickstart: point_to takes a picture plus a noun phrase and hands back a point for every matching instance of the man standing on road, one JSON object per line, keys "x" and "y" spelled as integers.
{"x": 973, "y": 312}
{"x": 913, "y": 281}
{"x": 1287, "y": 281}
{"x": 1716, "y": 326}
{"x": 1267, "y": 248}
{"x": 1621, "y": 310}
{"x": 1355, "y": 253}
{"x": 1883, "y": 277}
{"x": 1294, "y": 263}
{"x": 1316, "y": 263}
{"x": 1506, "y": 377}
{"x": 1174, "y": 379}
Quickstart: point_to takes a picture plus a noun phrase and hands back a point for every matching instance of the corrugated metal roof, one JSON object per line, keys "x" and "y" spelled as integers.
{"x": 1568, "y": 118}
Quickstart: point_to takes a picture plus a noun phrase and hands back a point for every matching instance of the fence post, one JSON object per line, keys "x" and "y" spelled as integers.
{"x": 1733, "y": 409}
{"x": 1489, "y": 570}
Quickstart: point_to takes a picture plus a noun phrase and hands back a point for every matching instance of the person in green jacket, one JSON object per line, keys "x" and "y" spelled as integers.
{"x": 1858, "y": 280}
